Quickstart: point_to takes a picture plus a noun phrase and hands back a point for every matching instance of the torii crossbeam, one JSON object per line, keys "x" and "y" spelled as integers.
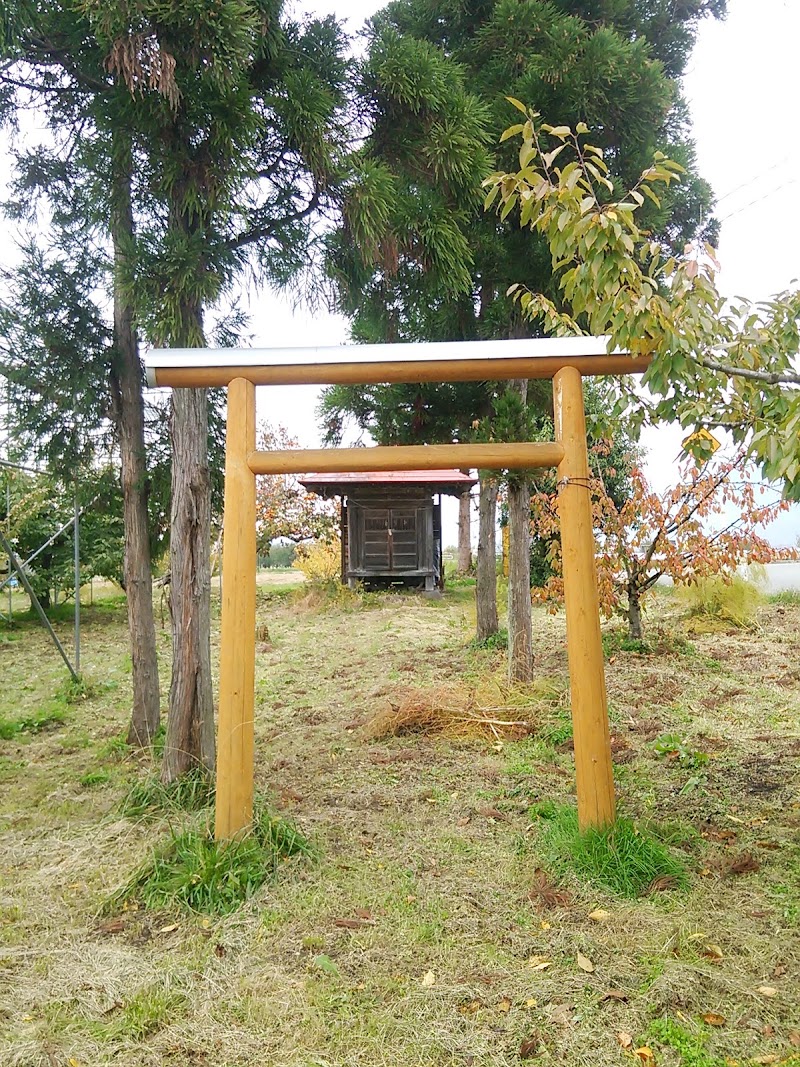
{"x": 565, "y": 360}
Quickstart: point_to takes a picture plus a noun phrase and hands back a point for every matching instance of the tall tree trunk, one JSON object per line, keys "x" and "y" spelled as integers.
{"x": 486, "y": 562}
{"x": 520, "y": 640}
{"x": 634, "y": 614}
{"x": 126, "y": 390}
{"x": 464, "y": 533}
{"x": 190, "y": 727}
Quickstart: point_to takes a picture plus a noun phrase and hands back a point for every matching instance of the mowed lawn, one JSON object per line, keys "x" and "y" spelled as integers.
{"x": 428, "y": 929}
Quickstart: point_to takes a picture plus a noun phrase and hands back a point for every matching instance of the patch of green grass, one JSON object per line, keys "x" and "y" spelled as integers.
{"x": 621, "y": 858}
{"x": 619, "y": 640}
{"x": 787, "y": 597}
{"x": 558, "y": 732}
{"x": 147, "y": 1011}
{"x": 674, "y": 747}
{"x": 195, "y": 872}
{"x": 494, "y": 642}
{"x": 34, "y": 723}
{"x": 150, "y": 796}
{"x": 94, "y": 778}
{"x": 689, "y": 1046}
{"x": 659, "y": 641}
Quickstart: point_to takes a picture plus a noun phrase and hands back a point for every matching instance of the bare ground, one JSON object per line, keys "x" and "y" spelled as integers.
{"x": 423, "y": 934}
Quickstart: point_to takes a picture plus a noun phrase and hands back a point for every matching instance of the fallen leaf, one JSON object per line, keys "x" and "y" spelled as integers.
{"x": 111, "y": 926}
{"x": 530, "y": 1002}
{"x": 794, "y": 1038}
{"x": 539, "y": 963}
{"x": 713, "y": 952}
{"x": 713, "y": 1019}
{"x": 744, "y": 863}
{"x": 768, "y": 1031}
{"x": 773, "y": 846}
{"x": 353, "y": 924}
{"x": 779, "y": 970}
{"x": 543, "y": 892}
{"x": 624, "y": 1039}
{"x": 219, "y": 950}
{"x": 767, "y": 991}
{"x": 168, "y": 929}
{"x": 770, "y": 1058}
{"x": 560, "y": 1013}
{"x": 363, "y": 913}
{"x": 658, "y": 885}
{"x": 599, "y": 915}
{"x": 465, "y": 821}
{"x": 645, "y": 1055}
{"x": 428, "y": 979}
{"x": 530, "y": 1047}
{"x": 505, "y": 1005}
{"x": 614, "y": 994}
{"x": 469, "y": 1007}
{"x": 585, "y": 963}
{"x": 492, "y": 813}
{"x": 720, "y": 835}
{"x": 325, "y": 964}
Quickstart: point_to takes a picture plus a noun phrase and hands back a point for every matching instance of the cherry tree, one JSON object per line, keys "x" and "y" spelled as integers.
{"x": 708, "y": 523}
{"x": 284, "y": 509}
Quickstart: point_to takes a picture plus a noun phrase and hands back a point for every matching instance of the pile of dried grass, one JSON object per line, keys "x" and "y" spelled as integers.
{"x": 495, "y": 714}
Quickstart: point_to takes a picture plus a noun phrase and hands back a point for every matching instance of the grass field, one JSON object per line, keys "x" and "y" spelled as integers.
{"x": 433, "y": 924}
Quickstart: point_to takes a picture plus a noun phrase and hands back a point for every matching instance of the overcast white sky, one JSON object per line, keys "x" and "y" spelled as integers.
{"x": 742, "y": 85}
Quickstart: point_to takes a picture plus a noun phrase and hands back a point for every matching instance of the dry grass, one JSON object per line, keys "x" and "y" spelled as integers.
{"x": 493, "y": 713}
{"x": 428, "y": 862}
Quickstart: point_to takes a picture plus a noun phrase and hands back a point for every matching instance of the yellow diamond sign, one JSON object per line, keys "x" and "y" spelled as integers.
{"x": 702, "y": 435}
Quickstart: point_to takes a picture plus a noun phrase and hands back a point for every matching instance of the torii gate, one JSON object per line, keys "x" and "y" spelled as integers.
{"x": 564, "y": 359}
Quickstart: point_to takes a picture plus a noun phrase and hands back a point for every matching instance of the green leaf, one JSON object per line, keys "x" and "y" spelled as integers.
{"x": 326, "y": 965}
{"x": 512, "y": 131}
{"x": 517, "y": 104}
{"x": 548, "y": 157}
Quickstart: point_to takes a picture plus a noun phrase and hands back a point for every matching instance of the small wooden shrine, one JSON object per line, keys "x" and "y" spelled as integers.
{"x": 391, "y": 523}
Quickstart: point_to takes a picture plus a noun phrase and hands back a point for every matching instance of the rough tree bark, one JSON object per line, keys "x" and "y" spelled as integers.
{"x": 520, "y": 641}
{"x": 464, "y": 533}
{"x": 128, "y": 407}
{"x": 486, "y": 560}
{"x": 190, "y": 739}
{"x": 634, "y": 615}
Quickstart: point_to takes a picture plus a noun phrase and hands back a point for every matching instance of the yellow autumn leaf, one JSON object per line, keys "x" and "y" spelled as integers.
{"x": 599, "y": 915}
{"x": 714, "y": 1019}
{"x": 428, "y": 979}
{"x": 767, "y": 991}
{"x": 585, "y": 963}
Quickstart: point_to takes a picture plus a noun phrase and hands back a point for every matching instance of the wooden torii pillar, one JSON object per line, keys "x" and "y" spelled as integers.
{"x": 564, "y": 360}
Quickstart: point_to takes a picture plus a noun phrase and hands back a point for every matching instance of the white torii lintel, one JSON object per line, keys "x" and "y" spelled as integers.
{"x": 413, "y": 361}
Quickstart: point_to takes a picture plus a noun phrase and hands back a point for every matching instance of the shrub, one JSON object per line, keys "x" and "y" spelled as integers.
{"x": 729, "y": 598}
{"x": 320, "y": 561}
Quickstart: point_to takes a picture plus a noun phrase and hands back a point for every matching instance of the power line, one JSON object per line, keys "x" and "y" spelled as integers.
{"x": 758, "y": 200}
{"x": 751, "y": 181}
